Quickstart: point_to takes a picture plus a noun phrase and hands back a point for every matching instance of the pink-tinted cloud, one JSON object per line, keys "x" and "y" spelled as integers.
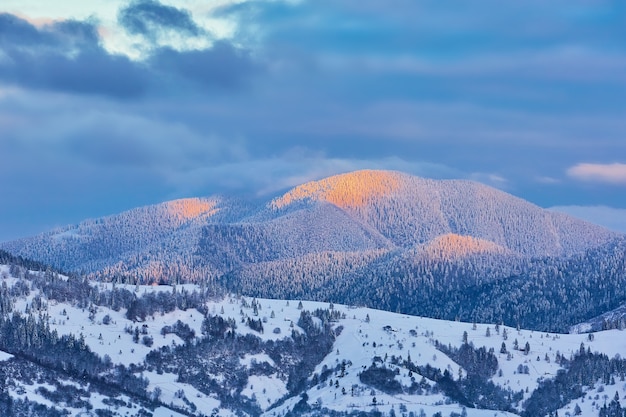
{"x": 608, "y": 173}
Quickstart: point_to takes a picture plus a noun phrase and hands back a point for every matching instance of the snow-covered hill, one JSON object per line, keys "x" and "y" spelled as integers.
{"x": 445, "y": 249}
{"x": 236, "y": 355}
{"x": 409, "y": 210}
{"x": 358, "y": 211}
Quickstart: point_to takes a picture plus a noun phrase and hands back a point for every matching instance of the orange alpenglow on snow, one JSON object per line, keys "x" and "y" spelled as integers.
{"x": 190, "y": 208}
{"x": 351, "y": 190}
{"x": 452, "y": 245}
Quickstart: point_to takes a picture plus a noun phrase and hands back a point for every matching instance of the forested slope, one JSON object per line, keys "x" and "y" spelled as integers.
{"x": 443, "y": 248}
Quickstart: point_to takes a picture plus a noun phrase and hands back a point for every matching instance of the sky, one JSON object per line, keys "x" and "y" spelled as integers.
{"x": 107, "y": 105}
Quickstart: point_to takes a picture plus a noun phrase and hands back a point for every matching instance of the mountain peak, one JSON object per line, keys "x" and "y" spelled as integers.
{"x": 361, "y": 211}
{"x": 349, "y": 190}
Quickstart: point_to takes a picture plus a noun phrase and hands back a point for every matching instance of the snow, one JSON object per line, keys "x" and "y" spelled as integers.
{"x": 112, "y": 339}
{"x": 247, "y": 360}
{"x": 593, "y": 400}
{"x": 67, "y": 234}
{"x": 29, "y": 391}
{"x": 383, "y": 335}
{"x": 381, "y": 210}
{"x": 266, "y": 389}
{"x": 5, "y": 356}
{"x": 168, "y": 386}
{"x": 166, "y": 412}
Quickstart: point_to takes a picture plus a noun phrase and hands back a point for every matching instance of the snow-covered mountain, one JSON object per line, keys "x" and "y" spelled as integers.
{"x": 70, "y": 347}
{"x": 361, "y": 211}
{"x": 446, "y": 249}
{"x": 409, "y": 211}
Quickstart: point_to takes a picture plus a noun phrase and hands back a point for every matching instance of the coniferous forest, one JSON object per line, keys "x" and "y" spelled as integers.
{"x": 343, "y": 297}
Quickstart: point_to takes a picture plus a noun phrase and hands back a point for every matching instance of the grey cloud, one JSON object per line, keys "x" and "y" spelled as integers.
{"x": 222, "y": 66}
{"x": 75, "y": 32}
{"x": 18, "y": 32}
{"x": 145, "y": 17}
{"x": 372, "y": 81}
{"x": 67, "y": 56}
{"x": 269, "y": 175}
{"x": 112, "y": 140}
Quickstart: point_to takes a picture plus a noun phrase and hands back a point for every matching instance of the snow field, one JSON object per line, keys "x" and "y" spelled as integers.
{"x": 366, "y": 334}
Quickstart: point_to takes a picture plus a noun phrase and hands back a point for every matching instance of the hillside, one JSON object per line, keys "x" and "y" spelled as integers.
{"x": 377, "y": 238}
{"x": 409, "y": 211}
{"x": 358, "y": 211}
{"x": 174, "y": 351}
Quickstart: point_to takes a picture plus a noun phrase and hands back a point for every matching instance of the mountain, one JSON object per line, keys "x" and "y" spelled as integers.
{"x": 378, "y": 238}
{"x": 74, "y": 347}
{"x": 358, "y": 211}
{"x": 409, "y": 211}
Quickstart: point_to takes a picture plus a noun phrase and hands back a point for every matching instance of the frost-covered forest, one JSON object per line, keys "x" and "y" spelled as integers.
{"x": 223, "y": 306}
{"x": 444, "y": 249}
{"x": 193, "y": 239}
{"x": 70, "y": 346}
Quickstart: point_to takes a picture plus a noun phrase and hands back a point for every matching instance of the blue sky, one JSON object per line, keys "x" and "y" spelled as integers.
{"x": 109, "y": 105}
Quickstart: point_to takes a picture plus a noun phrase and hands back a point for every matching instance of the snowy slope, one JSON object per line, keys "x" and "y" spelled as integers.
{"x": 359, "y": 211}
{"x": 411, "y": 210}
{"x": 363, "y": 337}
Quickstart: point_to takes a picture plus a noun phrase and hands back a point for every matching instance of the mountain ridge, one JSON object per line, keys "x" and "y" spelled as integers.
{"x": 377, "y": 238}
{"x": 95, "y": 348}
{"x": 361, "y": 210}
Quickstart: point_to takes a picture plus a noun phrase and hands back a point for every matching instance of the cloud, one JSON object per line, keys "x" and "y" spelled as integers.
{"x": 269, "y": 175}
{"x": 547, "y": 180}
{"x": 67, "y": 56}
{"x": 148, "y": 17}
{"x": 16, "y": 31}
{"x": 292, "y": 91}
{"x": 492, "y": 179}
{"x": 108, "y": 140}
{"x": 222, "y": 66}
{"x": 64, "y": 56}
{"x": 605, "y": 173}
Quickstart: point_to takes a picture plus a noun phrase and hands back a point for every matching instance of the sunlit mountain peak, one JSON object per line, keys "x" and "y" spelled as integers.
{"x": 350, "y": 190}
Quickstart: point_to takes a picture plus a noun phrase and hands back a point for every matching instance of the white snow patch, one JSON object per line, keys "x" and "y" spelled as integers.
{"x": 247, "y": 360}
{"x": 266, "y": 389}
{"x": 5, "y": 356}
{"x": 169, "y": 388}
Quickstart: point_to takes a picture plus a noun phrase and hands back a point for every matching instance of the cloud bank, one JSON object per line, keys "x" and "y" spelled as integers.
{"x": 148, "y": 17}
{"x": 614, "y": 173}
{"x": 68, "y": 56}
{"x": 117, "y": 104}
